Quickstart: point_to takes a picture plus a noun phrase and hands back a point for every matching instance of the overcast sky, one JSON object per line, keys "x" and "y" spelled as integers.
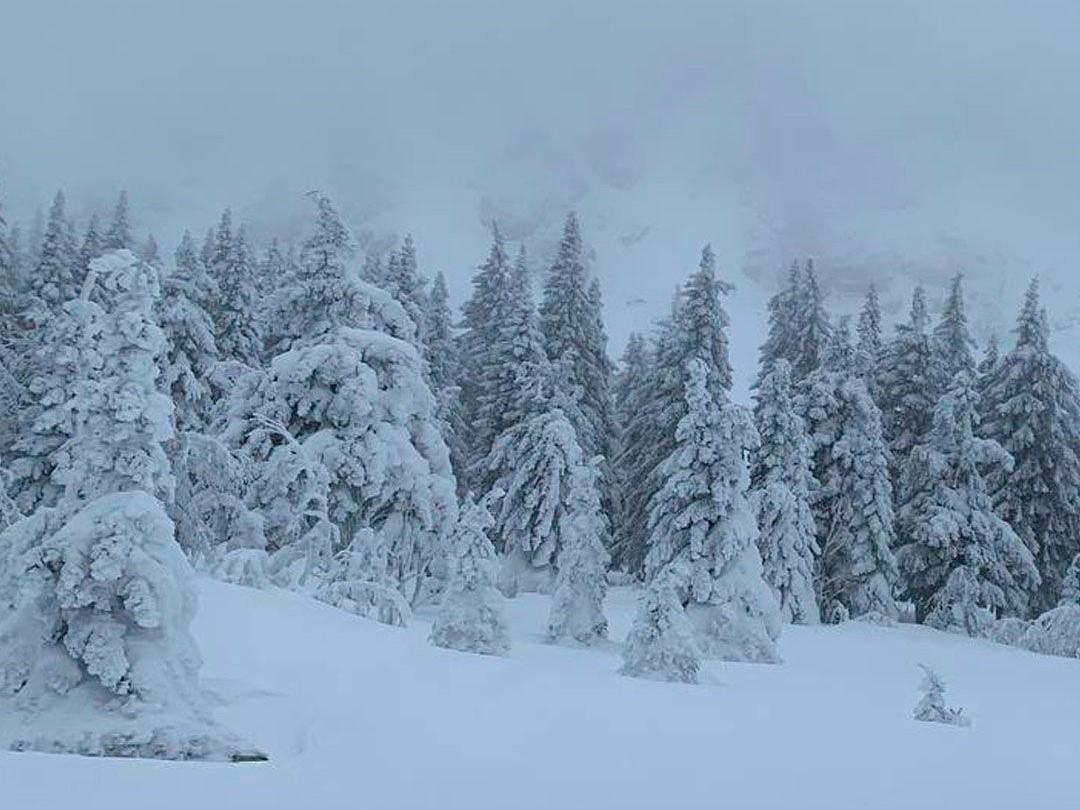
{"x": 888, "y": 140}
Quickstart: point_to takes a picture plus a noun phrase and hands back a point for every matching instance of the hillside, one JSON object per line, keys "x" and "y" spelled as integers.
{"x": 360, "y": 715}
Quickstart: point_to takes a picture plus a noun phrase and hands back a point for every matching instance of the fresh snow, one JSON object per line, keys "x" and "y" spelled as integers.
{"x": 355, "y": 714}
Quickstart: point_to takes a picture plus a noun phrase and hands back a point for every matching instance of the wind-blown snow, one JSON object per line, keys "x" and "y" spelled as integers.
{"x": 356, "y": 714}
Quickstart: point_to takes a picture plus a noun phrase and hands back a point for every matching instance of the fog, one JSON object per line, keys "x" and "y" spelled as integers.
{"x": 893, "y": 141}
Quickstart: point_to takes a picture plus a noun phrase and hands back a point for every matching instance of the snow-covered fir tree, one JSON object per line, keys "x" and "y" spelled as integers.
{"x": 961, "y": 565}
{"x": 870, "y": 343}
{"x": 93, "y": 245}
{"x": 630, "y": 396}
{"x": 53, "y": 280}
{"x": 931, "y": 707}
{"x": 444, "y": 369}
{"x": 191, "y": 350}
{"x": 1070, "y": 584}
{"x": 782, "y": 314}
{"x": 571, "y": 321}
{"x": 236, "y": 308}
{"x": 98, "y": 594}
{"x": 953, "y": 347}
{"x": 782, "y": 486}
{"x": 1031, "y": 407}
{"x": 812, "y": 324}
{"x": 702, "y": 526}
{"x": 118, "y": 234}
{"x": 661, "y": 644}
{"x": 853, "y": 500}
{"x": 348, "y": 383}
{"x": 403, "y": 281}
{"x": 481, "y": 351}
{"x": 470, "y": 613}
{"x": 907, "y": 382}
{"x": 695, "y": 330}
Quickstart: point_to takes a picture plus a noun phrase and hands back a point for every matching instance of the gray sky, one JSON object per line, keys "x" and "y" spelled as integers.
{"x": 889, "y": 140}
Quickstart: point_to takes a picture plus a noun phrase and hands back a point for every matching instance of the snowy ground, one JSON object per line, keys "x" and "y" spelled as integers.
{"x": 359, "y": 715}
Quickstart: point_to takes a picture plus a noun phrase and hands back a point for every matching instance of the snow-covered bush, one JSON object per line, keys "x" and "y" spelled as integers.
{"x": 470, "y": 616}
{"x": 360, "y": 582}
{"x": 931, "y": 707}
{"x": 661, "y": 644}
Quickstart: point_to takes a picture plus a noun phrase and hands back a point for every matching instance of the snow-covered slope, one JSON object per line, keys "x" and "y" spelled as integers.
{"x": 360, "y": 715}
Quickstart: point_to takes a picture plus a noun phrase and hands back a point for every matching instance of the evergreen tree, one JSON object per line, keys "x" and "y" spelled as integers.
{"x": 93, "y": 245}
{"x": 347, "y": 378}
{"x": 118, "y": 236}
{"x": 191, "y": 350}
{"x": 571, "y": 321}
{"x": 695, "y": 330}
{"x": 149, "y": 252}
{"x": 470, "y": 616}
{"x": 53, "y": 280}
{"x": 812, "y": 324}
{"x": 1070, "y": 584}
{"x": 661, "y": 644}
{"x": 1031, "y": 407}
{"x": 485, "y": 313}
{"x": 702, "y": 528}
{"x": 870, "y": 346}
{"x": 782, "y": 341}
{"x": 962, "y": 565}
{"x": 630, "y": 395}
{"x": 103, "y": 597}
{"x": 782, "y": 484}
{"x": 907, "y": 383}
{"x": 235, "y": 314}
{"x": 403, "y": 281}
{"x": 444, "y": 368}
{"x": 550, "y": 503}
{"x": 953, "y": 348}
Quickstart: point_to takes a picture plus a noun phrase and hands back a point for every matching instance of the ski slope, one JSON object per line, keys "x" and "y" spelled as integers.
{"x": 362, "y": 716}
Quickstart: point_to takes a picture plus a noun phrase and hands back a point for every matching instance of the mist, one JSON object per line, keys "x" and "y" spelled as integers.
{"x": 898, "y": 143}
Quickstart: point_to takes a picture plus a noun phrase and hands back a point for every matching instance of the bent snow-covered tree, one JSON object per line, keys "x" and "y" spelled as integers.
{"x": 702, "y": 528}
{"x": 95, "y": 649}
{"x": 347, "y": 384}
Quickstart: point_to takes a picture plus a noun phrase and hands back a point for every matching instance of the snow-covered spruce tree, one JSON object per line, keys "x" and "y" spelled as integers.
{"x": 191, "y": 350}
{"x": 952, "y": 347}
{"x": 273, "y": 270}
{"x": 630, "y": 396}
{"x": 347, "y": 383}
{"x": 550, "y": 499}
{"x": 403, "y": 281}
{"x": 701, "y": 522}
{"x": 470, "y": 614}
{"x": 98, "y": 595}
{"x": 485, "y": 312}
{"x": 696, "y": 329}
{"x": 931, "y": 707}
{"x": 782, "y": 340}
{"x": 1031, "y": 407}
{"x": 444, "y": 369}
{"x": 577, "y": 601}
{"x": 1070, "y": 584}
{"x": 812, "y": 324}
{"x": 907, "y": 389}
{"x": 870, "y": 344}
{"x": 53, "y": 280}
{"x": 782, "y": 484}
{"x": 571, "y": 324}
{"x": 571, "y": 320}
{"x": 118, "y": 235}
{"x": 235, "y": 311}
{"x": 962, "y": 565}
{"x": 515, "y": 371}
{"x": 661, "y": 644}
{"x": 93, "y": 245}
{"x": 853, "y": 501}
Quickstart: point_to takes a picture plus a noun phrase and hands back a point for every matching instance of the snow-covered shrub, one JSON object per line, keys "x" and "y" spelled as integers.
{"x": 661, "y": 644}
{"x": 1009, "y": 630}
{"x": 931, "y": 707}
{"x": 470, "y": 616}
{"x": 249, "y": 567}
{"x": 359, "y": 581}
